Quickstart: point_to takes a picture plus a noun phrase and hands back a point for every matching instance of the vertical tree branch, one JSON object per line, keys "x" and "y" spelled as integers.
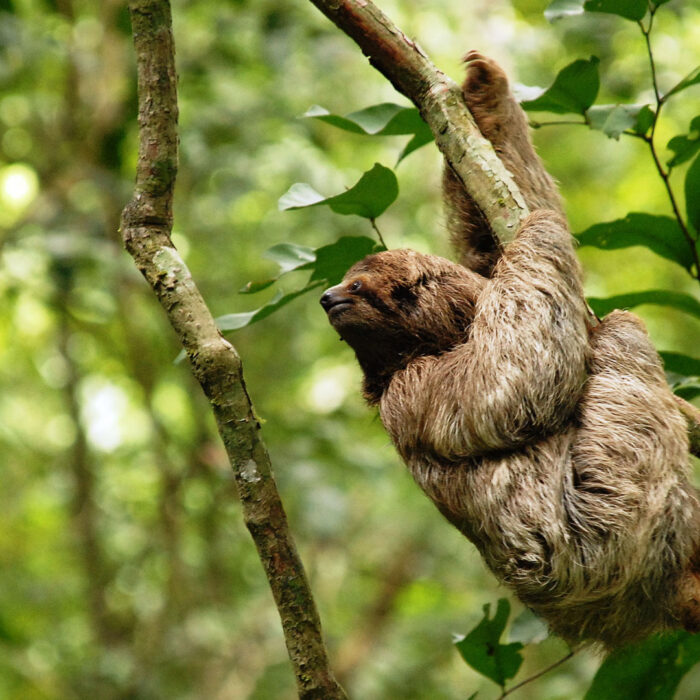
{"x": 146, "y": 226}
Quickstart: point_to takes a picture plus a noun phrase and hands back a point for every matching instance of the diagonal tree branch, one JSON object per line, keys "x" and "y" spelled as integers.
{"x": 146, "y": 226}
{"x": 439, "y": 100}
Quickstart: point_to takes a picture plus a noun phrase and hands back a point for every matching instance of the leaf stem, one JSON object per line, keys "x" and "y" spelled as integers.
{"x": 649, "y": 139}
{"x": 646, "y": 31}
{"x": 378, "y": 232}
{"x": 537, "y": 675}
{"x": 560, "y": 122}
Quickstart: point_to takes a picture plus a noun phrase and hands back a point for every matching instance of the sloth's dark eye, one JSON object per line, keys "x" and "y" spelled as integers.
{"x": 355, "y": 286}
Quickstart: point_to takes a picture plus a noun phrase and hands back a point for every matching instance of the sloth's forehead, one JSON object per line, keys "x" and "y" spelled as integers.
{"x": 396, "y": 265}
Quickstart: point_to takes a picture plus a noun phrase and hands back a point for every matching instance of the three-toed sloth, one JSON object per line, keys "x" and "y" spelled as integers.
{"x": 556, "y": 448}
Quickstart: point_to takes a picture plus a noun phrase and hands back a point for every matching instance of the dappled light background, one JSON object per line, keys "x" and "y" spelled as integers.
{"x": 126, "y": 568}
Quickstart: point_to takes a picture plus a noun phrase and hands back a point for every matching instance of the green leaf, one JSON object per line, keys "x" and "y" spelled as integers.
{"x": 288, "y": 257}
{"x": 612, "y": 120}
{"x": 300, "y": 195}
{"x": 420, "y": 139}
{"x": 662, "y": 234}
{"x": 681, "y": 364}
{"x": 692, "y": 193}
{"x": 682, "y": 373}
{"x": 482, "y": 650}
{"x": 629, "y": 9}
{"x": 373, "y": 193}
{"x": 333, "y": 260}
{"x": 649, "y": 670}
{"x": 686, "y": 146}
{"x": 693, "y": 78}
{"x": 322, "y": 114}
{"x": 687, "y": 388}
{"x": 328, "y": 265}
{"x": 645, "y": 120}
{"x": 573, "y": 90}
{"x": 528, "y": 628}
{"x": 232, "y": 322}
{"x": 658, "y": 297}
{"x": 386, "y": 119}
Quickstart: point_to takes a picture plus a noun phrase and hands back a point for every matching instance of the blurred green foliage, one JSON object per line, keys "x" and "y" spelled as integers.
{"x": 126, "y": 569}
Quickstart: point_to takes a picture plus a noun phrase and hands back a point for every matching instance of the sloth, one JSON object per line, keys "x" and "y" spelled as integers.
{"x": 556, "y": 448}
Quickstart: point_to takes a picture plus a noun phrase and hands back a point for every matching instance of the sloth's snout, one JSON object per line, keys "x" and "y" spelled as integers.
{"x": 334, "y": 297}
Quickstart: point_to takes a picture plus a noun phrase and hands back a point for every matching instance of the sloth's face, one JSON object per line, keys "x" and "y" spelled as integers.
{"x": 403, "y": 303}
{"x": 376, "y": 294}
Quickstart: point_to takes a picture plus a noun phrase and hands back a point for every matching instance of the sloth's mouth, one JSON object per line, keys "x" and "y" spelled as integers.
{"x": 337, "y": 307}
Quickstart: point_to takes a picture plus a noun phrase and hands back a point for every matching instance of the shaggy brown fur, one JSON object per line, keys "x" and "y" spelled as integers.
{"x": 560, "y": 454}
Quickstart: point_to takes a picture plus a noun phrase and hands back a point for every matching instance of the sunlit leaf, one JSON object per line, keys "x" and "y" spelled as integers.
{"x": 651, "y": 669}
{"x": 612, "y": 120}
{"x": 692, "y": 193}
{"x": 385, "y": 119}
{"x": 658, "y": 297}
{"x": 483, "y": 651}
{"x": 369, "y": 197}
{"x": 300, "y": 195}
{"x": 686, "y": 146}
{"x": 693, "y": 78}
{"x": 528, "y": 628}
{"x": 288, "y": 257}
{"x": 662, "y": 234}
{"x": 563, "y": 8}
{"x": 573, "y": 90}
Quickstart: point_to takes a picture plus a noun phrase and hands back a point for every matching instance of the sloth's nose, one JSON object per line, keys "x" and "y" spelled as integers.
{"x": 328, "y": 299}
{"x": 333, "y": 296}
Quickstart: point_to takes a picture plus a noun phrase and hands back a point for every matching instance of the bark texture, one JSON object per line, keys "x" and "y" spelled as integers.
{"x": 146, "y": 227}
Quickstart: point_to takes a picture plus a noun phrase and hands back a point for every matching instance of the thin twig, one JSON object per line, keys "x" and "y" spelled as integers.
{"x": 561, "y": 122}
{"x": 378, "y": 232}
{"x": 663, "y": 173}
{"x": 537, "y": 675}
